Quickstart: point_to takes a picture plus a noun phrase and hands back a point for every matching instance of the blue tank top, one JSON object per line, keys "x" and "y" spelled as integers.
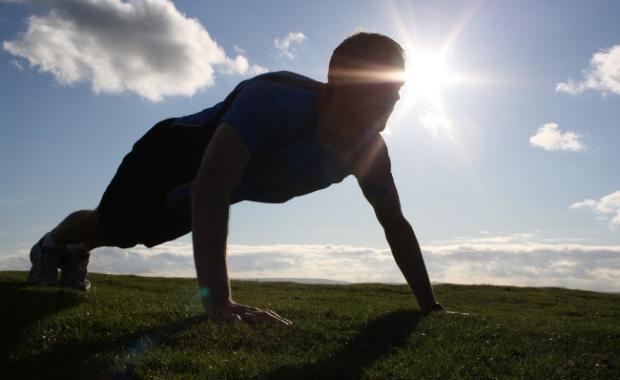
{"x": 265, "y": 113}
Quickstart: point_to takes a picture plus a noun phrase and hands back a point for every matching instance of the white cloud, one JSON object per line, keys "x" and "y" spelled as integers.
{"x": 284, "y": 44}
{"x": 550, "y": 137}
{"x": 17, "y": 65}
{"x": 607, "y": 205}
{"x": 143, "y": 46}
{"x": 436, "y": 122}
{"x": 517, "y": 259}
{"x": 238, "y": 49}
{"x": 603, "y": 74}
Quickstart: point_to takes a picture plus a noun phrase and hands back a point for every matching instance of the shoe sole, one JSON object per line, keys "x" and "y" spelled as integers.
{"x": 82, "y": 286}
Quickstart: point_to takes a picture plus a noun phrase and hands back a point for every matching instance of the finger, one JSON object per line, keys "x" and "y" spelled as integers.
{"x": 278, "y": 316}
{"x": 262, "y": 316}
{"x": 459, "y": 313}
{"x": 230, "y": 318}
{"x": 251, "y": 318}
{"x": 247, "y": 307}
{"x": 270, "y": 312}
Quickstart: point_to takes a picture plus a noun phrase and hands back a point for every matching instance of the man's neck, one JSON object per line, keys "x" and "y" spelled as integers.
{"x": 333, "y": 125}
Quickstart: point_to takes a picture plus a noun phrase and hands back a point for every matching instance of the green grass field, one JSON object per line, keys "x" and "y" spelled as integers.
{"x": 137, "y": 327}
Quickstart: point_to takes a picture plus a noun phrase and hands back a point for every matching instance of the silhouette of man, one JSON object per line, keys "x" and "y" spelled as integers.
{"x": 275, "y": 137}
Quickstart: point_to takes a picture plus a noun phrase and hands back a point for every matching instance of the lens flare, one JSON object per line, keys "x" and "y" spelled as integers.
{"x": 427, "y": 73}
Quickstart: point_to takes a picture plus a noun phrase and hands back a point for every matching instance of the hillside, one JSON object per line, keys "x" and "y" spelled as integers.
{"x": 138, "y": 327}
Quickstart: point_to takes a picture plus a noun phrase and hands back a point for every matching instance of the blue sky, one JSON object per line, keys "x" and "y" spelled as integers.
{"x": 506, "y": 160}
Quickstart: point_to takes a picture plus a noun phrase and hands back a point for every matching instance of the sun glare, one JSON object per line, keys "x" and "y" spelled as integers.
{"x": 426, "y": 74}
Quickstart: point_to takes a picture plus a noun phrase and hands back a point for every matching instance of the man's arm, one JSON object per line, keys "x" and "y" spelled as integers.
{"x": 405, "y": 248}
{"x": 372, "y": 174}
{"x": 221, "y": 170}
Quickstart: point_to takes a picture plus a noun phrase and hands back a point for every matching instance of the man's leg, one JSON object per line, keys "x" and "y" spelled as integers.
{"x": 132, "y": 191}
{"x": 67, "y": 247}
{"x": 80, "y": 228}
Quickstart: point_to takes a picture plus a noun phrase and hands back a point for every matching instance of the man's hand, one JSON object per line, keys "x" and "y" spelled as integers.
{"x": 435, "y": 308}
{"x": 438, "y": 309}
{"x": 232, "y": 311}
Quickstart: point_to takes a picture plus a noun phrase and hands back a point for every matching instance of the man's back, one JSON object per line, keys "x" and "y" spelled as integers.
{"x": 278, "y": 124}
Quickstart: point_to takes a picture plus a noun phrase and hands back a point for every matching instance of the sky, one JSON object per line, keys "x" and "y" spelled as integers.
{"x": 504, "y": 145}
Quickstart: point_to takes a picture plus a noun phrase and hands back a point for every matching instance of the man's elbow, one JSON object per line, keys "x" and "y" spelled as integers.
{"x": 209, "y": 187}
{"x": 394, "y": 222}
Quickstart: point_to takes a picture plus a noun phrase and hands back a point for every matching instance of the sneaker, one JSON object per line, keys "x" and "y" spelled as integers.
{"x": 73, "y": 268}
{"x": 44, "y": 261}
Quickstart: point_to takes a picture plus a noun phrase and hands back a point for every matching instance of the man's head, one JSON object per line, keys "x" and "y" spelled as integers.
{"x": 366, "y": 57}
{"x": 365, "y": 74}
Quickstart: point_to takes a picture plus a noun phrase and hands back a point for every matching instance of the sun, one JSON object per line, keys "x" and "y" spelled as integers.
{"x": 426, "y": 74}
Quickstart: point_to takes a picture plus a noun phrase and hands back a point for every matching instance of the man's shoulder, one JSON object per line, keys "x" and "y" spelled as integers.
{"x": 286, "y": 83}
{"x": 370, "y": 156}
{"x": 371, "y": 144}
{"x": 270, "y": 92}
{"x": 290, "y": 93}
{"x": 372, "y": 167}
{"x": 287, "y": 77}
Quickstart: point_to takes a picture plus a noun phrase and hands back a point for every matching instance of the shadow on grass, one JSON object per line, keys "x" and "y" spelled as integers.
{"x": 97, "y": 356}
{"x": 23, "y": 305}
{"x": 79, "y": 359}
{"x": 376, "y": 340}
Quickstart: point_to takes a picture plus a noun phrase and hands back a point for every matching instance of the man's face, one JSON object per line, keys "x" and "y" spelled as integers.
{"x": 370, "y": 100}
{"x": 374, "y": 102}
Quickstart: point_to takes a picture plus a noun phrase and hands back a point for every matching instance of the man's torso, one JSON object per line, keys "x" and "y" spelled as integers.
{"x": 265, "y": 114}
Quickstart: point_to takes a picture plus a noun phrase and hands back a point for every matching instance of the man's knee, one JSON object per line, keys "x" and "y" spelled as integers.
{"x": 100, "y": 236}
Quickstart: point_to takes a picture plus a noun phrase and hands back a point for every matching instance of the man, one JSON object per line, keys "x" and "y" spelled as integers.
{"x": 277, "y": 136}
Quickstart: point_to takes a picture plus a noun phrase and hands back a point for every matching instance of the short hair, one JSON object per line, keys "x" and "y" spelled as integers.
{"x": 364, "y": 50}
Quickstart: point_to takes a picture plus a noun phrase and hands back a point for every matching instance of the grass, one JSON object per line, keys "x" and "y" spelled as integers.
{"x": 136, "y": 327}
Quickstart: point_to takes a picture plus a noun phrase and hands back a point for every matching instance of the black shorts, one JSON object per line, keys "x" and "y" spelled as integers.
{"x": 133, "y": 208}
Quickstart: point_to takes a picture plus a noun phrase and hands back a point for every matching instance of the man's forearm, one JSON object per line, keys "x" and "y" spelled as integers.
{"x": 210, "y": 209}
{"x": 408, "y": 256}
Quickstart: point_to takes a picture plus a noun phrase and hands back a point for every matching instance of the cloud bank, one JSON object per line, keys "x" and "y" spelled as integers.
{"x": 143, "y": 46}
{"x": 609, "y": 205}
{"x": 550, "y": 138}
{"x": 285, "y": 44}
{"x": 501, "y": 260}
{"x": 436, "y": 122}
{"x": 603, "y": 74}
